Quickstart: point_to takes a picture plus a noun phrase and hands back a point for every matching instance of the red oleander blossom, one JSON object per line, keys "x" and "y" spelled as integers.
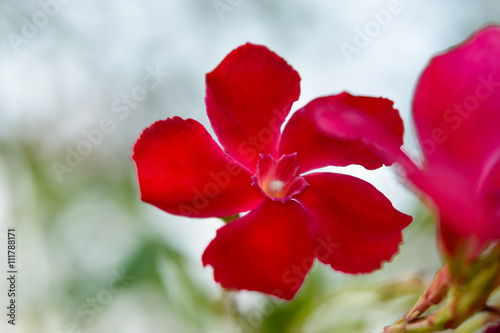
{"x": 456, "y": 110}
{"x": 294, "y": 216}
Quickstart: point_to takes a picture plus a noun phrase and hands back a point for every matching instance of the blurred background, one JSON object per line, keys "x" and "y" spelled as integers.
{"x": 92, "y": 257}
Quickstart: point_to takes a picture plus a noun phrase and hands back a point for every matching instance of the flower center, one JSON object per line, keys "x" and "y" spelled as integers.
{"x": 276, "y": 186}
{"x": 279, "y": 179}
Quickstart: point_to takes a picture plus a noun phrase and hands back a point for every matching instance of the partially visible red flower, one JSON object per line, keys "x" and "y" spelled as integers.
{"x": 294, "y": 217}
{"x": 457, "y": 116}
{"x": 456, "y": 110}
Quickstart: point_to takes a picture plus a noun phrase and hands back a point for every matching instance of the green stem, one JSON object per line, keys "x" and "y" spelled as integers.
{"x": 467, "y": 295}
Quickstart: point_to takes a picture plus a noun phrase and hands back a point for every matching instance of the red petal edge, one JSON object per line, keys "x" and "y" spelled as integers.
{"x": 341, "y": 130}
{"x": 354, "y": 226}
{"x": 183, "y": 171}
{"x": 268, "y": 250}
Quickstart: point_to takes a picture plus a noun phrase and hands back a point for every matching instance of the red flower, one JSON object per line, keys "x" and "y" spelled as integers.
{"x": 456, "y": 110}
{"x": 294, "y": 218}
{"x": 457, "y": 115}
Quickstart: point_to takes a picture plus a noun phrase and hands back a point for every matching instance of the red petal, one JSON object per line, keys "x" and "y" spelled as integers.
{"x": 248, "y": 97}
{"x": 456, "y": 105}
{"x": 268, "y": 250}
{"x": 457, "y": 245}
{"x": 489, "y": 196}
{"x": 456, "y": 112}
{"x": 355, "y": 227}
{"x": 463, "y": 215}
{"x": 183, "y": 171}
{"x": 342, "y": 130}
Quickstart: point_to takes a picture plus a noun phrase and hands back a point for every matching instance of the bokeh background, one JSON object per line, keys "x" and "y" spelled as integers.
{"x": 94, "y": 258}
